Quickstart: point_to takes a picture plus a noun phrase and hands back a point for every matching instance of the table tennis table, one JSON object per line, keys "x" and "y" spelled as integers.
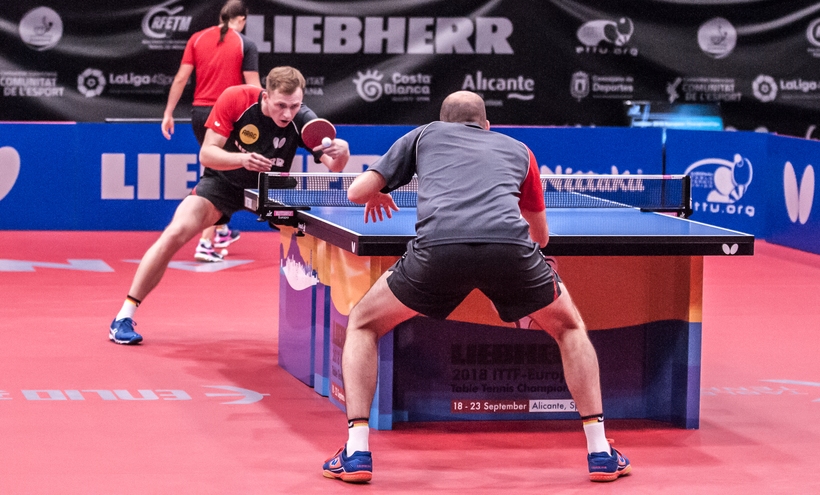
{"x": 635, "y": 275}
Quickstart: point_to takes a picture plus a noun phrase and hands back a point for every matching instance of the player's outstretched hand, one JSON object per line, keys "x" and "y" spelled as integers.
{"x": 379, "y": 205}
{"x": 255, "y": 162}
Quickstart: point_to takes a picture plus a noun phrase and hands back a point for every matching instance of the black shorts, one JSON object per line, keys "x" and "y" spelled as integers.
{"x": 225, "y": 196}
{"x": 199, "y": 115}
{"x": 436, "y": 279}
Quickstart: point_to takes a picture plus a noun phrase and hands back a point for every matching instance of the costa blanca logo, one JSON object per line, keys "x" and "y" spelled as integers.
{"x": 91, "y": 82}
{"x": 9, "y": 169}
{"x": 764, "y": 88}
{"x": 41, "y": 28}
{"x": 717, "y": 37}
{"x": 579, "y": 85}
{"x": 598, "y": 31}
{"x": 369, "y": 85}
{"x": 400, "y": 87}
{"x": 718, "y": 185}
{"x": 161, "y": 21}
{"x": 798, "y": 200}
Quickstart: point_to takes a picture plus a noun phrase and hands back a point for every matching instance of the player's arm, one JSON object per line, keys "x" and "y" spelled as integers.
{"x": 174, "y": 94}
{"x": 531, "y": 204}
{"x": 252, "y": 78}
{"x": 214, "y": 156}
{"x": 366, "y": 190}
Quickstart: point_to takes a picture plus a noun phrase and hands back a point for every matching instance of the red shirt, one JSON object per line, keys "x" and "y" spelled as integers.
{"x": 218, "y": 65}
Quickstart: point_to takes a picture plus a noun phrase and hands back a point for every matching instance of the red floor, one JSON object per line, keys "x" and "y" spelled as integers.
{"x": 67, "y": 425}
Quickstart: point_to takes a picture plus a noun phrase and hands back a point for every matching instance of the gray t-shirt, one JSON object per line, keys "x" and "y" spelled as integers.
{"x": 469, "y": 183}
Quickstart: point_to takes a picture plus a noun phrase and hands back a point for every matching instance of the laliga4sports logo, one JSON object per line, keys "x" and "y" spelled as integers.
{"x": 9, "y": 169}
{"x": 798, "y": 200}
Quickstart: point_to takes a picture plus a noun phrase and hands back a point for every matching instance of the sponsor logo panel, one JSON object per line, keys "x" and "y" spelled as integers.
{"x": 606, "y": 37}
{"x": 495, "y": 90}
{"x": 30, "y": 84}
{"x": 166, "y": 27}
{"x": 619, "y": 87}
{"x": 397, "y": 87}
{"x": 41, "y": 29}
{"x": 93, "y": 82}
{"x": 719, "y": 185}
{"x": 717, "y": 37}
{"x": 703, "y": 90}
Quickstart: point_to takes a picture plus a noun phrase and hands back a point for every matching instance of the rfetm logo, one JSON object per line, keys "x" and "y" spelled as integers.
{"x": 617, "y": 32}
{"x": 9, "y": 169}
{"x": 798, "y": 200}
{"x": 717, "y": 37}
{"x": 41, "y": 28}
{"x": 91, "y": 83}
{"x": 764, "y": 88}
{"x": 161, "y": 21}
{"x": 369, "y": 85}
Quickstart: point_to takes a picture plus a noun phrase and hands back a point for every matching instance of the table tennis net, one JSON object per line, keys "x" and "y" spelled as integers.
{"x": 667, "y": 193}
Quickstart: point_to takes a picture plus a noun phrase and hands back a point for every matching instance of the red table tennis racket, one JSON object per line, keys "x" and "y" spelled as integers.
{"x": 316, "y": 130}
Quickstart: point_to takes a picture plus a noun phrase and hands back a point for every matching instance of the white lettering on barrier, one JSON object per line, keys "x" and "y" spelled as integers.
{"x": 178, "y": 176}
{"x": 414, "y": 35}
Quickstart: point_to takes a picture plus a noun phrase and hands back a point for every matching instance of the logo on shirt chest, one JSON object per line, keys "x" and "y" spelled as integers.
{"x": 249, "y": 134}
{"x": 278, "y": 142}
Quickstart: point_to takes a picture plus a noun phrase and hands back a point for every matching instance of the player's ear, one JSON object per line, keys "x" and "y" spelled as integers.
{"x": 486, "y": 125}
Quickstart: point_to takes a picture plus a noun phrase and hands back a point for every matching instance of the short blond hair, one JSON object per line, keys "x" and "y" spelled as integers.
{"x": 285, "y": 79}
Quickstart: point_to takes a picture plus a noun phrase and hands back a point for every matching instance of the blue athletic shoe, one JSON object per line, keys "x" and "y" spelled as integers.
{"x": 122, "y": 332}
{"x": 606, "y": 467}
{"x": 358, "y": 468}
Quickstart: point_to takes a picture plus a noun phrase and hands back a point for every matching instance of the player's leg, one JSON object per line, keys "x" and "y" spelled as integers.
{"x": 378, "y": 312}
{"x": 563, "y": 322}
{"x": 192, "y": 215}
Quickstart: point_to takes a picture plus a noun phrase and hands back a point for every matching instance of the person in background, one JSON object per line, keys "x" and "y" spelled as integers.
{"x": 221, "y": 56}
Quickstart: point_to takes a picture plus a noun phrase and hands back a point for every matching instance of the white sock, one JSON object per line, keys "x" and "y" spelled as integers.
{"x": 127, "y": 311}
{"x": 596, "y": 437}
{"x": 358, "y": 437}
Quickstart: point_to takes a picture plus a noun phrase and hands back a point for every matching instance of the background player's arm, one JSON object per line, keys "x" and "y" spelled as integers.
{"x": 366, "y": 189}
{"x": 539, "y": 230}
{"x": 174, "y": 94}
{"x": 214, "y": 156}
{"x": 252, "y": 78}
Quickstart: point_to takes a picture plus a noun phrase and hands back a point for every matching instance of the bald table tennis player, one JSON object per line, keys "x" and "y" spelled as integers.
{"x": 481, "y": 221}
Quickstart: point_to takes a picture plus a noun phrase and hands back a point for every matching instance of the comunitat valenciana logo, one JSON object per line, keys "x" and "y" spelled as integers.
{"x": 717, "y": 37}
{"x": 799, "y": 200}
{"x": 41, "y": 28}
{"x": 91, "y": 82}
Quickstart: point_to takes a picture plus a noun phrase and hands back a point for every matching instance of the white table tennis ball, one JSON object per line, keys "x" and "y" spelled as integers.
{"x": 326, "y": 141}
{"x": 224, "y": 252}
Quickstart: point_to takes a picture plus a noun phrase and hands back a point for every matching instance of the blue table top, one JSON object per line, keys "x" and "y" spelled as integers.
{"x": 573, "y": 231}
